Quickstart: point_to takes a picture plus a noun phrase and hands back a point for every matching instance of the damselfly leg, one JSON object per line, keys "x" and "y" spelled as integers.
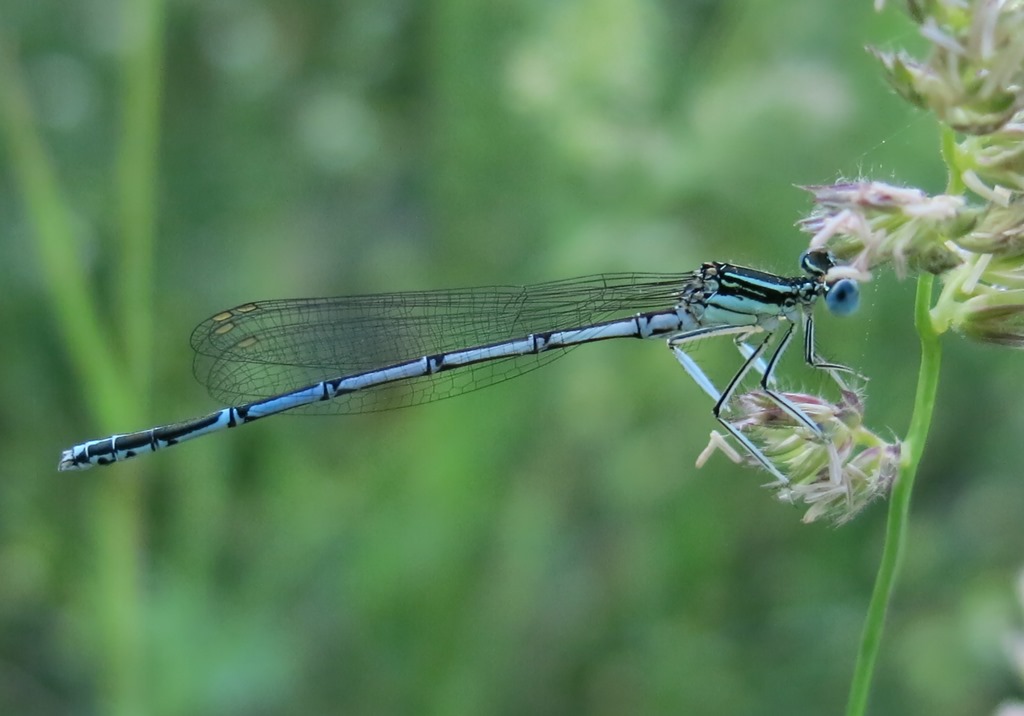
{"x": 754, "y": 359}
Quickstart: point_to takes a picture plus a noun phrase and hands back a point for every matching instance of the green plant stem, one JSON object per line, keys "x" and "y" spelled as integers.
{"x": 113, "y": 593}
{"x": 47, "y": 210}
{"x": 142, "y": 89}
{"x": 899, "y": 506}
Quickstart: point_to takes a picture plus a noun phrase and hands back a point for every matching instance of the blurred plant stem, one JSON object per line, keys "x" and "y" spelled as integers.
{"x": 142, "y": 72}
{"x": 113, "y": 388}
{"x": 70, "y": 296}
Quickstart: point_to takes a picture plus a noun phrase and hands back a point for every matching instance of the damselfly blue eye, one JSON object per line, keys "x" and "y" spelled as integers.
{"x": 843, "y": 297}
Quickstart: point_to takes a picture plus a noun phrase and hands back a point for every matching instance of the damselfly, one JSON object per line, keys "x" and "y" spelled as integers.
{"x": 364, "y": 353}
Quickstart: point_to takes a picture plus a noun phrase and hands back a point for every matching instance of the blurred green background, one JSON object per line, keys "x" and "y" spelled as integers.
{"x": 545, "y": 546}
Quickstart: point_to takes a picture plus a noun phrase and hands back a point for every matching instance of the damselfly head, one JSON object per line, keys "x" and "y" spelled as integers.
{"x": 817, "y": 262}
{"x": 842, "y": 295}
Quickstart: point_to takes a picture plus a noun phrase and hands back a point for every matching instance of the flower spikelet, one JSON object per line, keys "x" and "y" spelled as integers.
{"x": 868, "y": 223}
{"x": 973, "y": 77}
{"x": 835, "y": 473}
